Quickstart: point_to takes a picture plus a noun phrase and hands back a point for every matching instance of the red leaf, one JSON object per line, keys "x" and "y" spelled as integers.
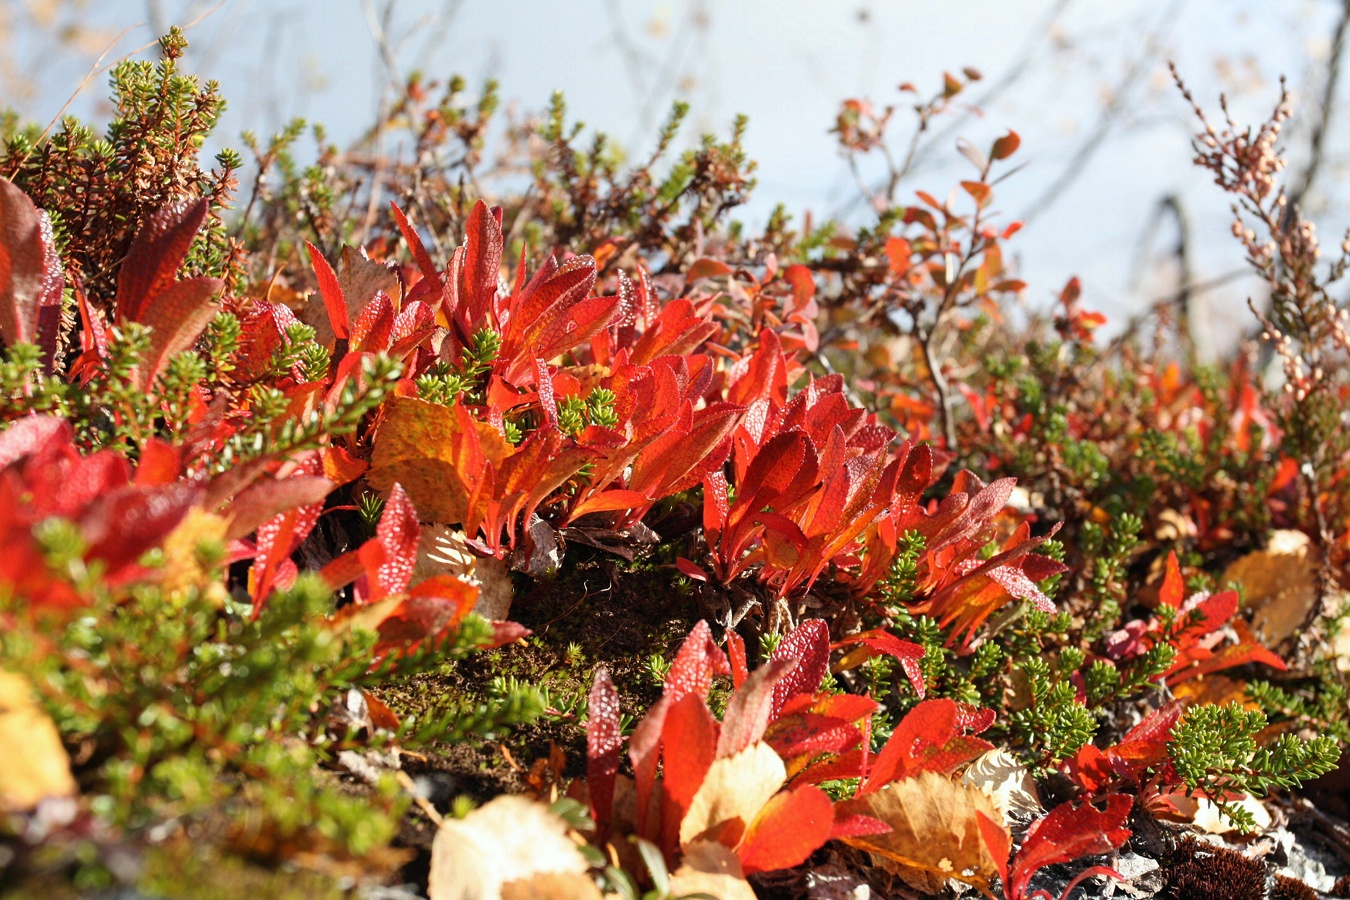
{"x": 261, "y": 501}
{"x": 1067, "y": 833}
{"x": 419, "y": 252}
{"x": 482, "y": 262}
{"x": 121, "y": 525}
{"x": 688, "y": 743}
{"x": 374, "y": 325}
{"x": 809, "y": 644}
{"x": 999, "y": 842}
{"x": 429, "y": 611}
{"x": 856, "y": 824}
{"x": 928, "y": 739}
{"x": 21, "y": 265}
{"x": 690, "y": 570}
{"x": 1173, "y": 590}
{"x": 697, "y": 661}
{"x": 155, "y": 256}
{"x": 790, "y": 827}
{"x": 176, "y": 316}
{"x": 750, "y": 707}
{"x": 907, "y": 653}
{"x": 898, "y": 252}
{"x": 30, "y": 273}
{"x": 736, "y": 653}
{"x": 331, "y": 291}
{"x": 603, "y": 740}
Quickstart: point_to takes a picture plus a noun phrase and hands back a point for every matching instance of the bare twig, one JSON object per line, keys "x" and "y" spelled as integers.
{"x": 97, "y": 69}
{"x": 1107, "y": 121}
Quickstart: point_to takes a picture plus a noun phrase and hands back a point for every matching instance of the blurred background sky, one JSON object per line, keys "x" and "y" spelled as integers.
{"x": 1105, "y": 135}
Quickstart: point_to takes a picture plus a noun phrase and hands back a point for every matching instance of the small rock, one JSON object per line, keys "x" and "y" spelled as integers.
{"x": 832, "y": 882}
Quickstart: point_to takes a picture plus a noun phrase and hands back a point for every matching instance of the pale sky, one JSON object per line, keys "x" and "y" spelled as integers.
{"x": 788, "y": 64}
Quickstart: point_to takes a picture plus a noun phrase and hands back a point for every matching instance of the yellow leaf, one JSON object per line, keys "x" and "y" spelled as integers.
{"x": 710, "y": 868}
{"x": 35, "y": 763}
{"x": 936, "y": 833}
{"x": 510, "y": 839}
{"x": 1279, "y": 585}
{"x": 442, "y": 551}
{"x": 732, "y": 794}
{"x": 417, "y": 446}
{"x": 183, "y": 563}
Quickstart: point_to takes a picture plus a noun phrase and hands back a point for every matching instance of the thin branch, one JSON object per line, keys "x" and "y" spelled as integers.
{"x": 1107, "y": 121}
{"x": 1029, "y": 54}
{"x": 95, "y": 69}
{"x": 1323, "y": 123}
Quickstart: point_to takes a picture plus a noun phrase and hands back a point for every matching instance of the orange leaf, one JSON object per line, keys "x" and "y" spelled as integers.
{"x": 706, "y": 268}
{"x": 790, "y": 827}
{"x": 1005, "y": 146}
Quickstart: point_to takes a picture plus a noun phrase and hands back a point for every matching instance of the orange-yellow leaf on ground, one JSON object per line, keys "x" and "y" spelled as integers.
{"x": 935, "y": 831}
{"x": 552, "y": 886}
{"x": 733, "y": 792}
{"x": 509, "y": 839}
{"x": 36, "y": 766}
{"x": 429, "y": 450}
{"x": 1215, "y": 689}
{"x": 1279, "y": 585}
{"x": 710, "y": 868}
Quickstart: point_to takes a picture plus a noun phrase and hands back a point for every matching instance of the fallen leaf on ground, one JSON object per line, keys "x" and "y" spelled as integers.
{"x": 509, "y": 839}
{"x": 1007, "y": 782}
{"x": 935, "y": 831}
{"x": 443, "y": 551}
{"x": 1279, "y": 585}
{"x": 710, "y": 868}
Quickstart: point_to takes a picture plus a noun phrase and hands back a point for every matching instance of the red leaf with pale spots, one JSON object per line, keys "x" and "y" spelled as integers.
{"x": 790, "y": 827}
{"x": 399, "y": 534}
{"x": 264, "y": 499}
{"x": 695, "y": 664}
{"x": 176, "y": 316}
{"x": 809, "y": 644}
{"x": 482, "y": 265}
{"x": 374, "y": 325}
{"x": 750, "y": 707}
{"x": 603, "y": 740}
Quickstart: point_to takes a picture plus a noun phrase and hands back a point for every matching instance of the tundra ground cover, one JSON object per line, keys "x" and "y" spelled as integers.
{"x": 402, "y": 525}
